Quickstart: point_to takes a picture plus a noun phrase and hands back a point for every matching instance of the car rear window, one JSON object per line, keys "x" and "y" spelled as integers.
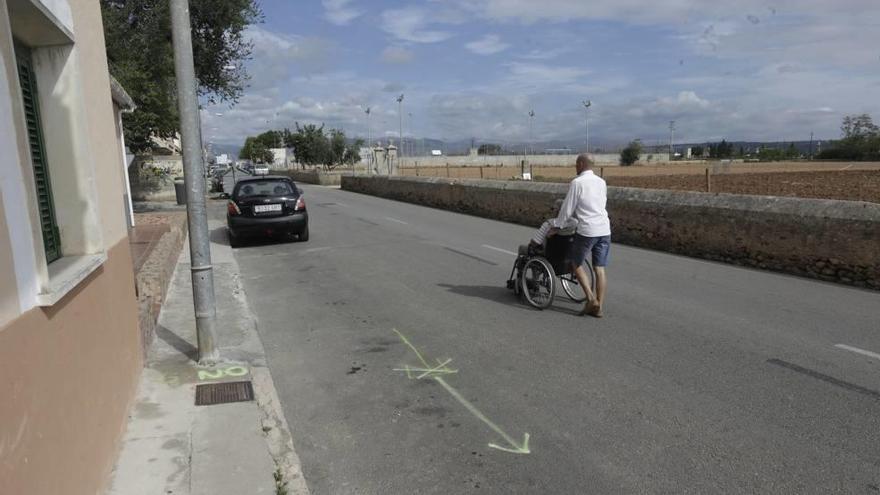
{"x": 264, "y": 188}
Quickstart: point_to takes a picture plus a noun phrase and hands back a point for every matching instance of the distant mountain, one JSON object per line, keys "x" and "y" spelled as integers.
{"x": 230, "y": 149}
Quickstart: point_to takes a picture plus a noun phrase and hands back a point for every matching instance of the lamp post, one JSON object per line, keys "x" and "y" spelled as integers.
{"x": 412, "y": 150}
{"x": 671, "y": 139}
{"x": 400, "y": 117}
{"x": 531, "y": 146}
{"x": 587, "y": 105}
{"x": 369, "y": 141}
{"x": 201, "y": 268}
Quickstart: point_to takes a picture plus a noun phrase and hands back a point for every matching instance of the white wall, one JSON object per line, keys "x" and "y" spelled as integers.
{"x": 59, "y": 9}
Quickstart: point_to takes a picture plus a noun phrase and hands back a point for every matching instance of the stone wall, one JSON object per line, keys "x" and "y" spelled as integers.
{"x": 314, "y": 176}
{"x": 825, "y": 239}
{"x": 153, "y": 277}
{"x": 152, "y": 177}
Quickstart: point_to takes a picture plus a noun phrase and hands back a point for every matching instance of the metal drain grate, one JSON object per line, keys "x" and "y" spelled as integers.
{"x": 224, "y": 393}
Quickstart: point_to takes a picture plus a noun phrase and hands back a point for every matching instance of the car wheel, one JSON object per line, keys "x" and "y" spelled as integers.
{"x": 234, "y": 241}
{"x": 304, "y": 235}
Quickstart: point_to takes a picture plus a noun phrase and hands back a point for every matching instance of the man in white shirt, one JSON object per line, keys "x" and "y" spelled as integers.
{"x": 585, "y": 202}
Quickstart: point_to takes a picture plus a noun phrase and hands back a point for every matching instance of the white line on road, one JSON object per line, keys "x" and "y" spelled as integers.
{"x": 500, "y": 250}
{"x": 317, "y": 249}
{"x": 396, "y": 220}
{"x": 858, "y": 351}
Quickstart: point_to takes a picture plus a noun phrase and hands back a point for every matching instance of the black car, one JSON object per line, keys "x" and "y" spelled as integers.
{"x": 267, "y": 206}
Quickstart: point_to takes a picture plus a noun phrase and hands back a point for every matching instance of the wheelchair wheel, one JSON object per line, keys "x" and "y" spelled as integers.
{"x": 572, "y": 287}
{"x": 538, "y": 283}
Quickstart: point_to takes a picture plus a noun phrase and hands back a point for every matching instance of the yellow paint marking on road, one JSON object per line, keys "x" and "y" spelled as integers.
{"x": 435, "y": 372}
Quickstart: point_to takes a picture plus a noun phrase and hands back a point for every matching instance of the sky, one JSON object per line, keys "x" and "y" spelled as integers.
{"x": 474, "y": 69}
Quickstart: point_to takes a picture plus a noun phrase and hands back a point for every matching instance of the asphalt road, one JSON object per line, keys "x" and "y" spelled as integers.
{"x": 702, "y": 377}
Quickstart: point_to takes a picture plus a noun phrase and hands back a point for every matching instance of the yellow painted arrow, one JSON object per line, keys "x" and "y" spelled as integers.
{"x": 436, "y": 373}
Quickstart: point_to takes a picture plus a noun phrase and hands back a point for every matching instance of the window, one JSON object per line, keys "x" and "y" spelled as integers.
{"x": 46, "y": 206}
{"x": 263, "y": 188}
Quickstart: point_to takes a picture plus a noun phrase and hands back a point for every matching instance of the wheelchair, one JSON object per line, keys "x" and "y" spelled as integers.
{"x": 535, "y": 272}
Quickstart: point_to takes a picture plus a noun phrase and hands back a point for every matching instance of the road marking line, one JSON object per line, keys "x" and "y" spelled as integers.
{"x": 858, "y": 351}
{"x": 396, "y": 220}
{"x": 500, "y": 250}
{"x": 317, "y": 249}
{"x": 435, "y": 372}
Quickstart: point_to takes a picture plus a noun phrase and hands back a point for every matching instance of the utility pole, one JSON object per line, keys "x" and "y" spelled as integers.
{"x": 194, "y": 177}
{"x": 400, "y": 116}
{"x": 587, "y": 105}
{"x": 811, "y": 145}
{"x": 531, "y": 145}
{"x": 671, "y": 140}
{"x": 412, "y": 137}
{"x": 369, "y": 141}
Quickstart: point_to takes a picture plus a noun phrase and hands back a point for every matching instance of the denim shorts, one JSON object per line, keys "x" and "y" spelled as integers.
{"x": 598, "y": 247}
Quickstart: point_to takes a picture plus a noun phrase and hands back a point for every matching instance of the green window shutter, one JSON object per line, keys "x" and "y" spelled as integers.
{"x": 48, "y": 223}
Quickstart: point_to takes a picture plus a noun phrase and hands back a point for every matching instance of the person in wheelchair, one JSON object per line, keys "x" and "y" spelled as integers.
{"x": 548, "y": 229}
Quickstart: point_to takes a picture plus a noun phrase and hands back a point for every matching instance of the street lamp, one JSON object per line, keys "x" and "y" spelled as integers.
{"x": 400, "y": 117}
{"x": 369, "y": 140}
{"x": 587, "y": 105}
{"x": 412, "y": 137}
{"x": 531, "y": 118}
{"x": 671, "y": 139}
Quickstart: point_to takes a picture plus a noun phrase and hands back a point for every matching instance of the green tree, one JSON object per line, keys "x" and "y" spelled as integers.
{"x": 858, "y": 127}
{"x": 631, "y": 153}
{"x": 310, "y": 145}
{"x": 337, "y": 148}
{"x": 489, "y": 149}
{"x": 860, "y": 140}
{"x": 137, "y": 34}
{"x": 353, "y": 152}
{"x": 721, "y": 150}
{"x": 256, "y": 150}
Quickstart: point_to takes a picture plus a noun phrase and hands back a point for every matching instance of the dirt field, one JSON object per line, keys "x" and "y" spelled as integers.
{"x": 857, "y": 181}
{"x": 853, "y": 185}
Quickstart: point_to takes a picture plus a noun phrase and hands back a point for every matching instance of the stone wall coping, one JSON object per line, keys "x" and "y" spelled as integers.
{"x": 802, "y": 207}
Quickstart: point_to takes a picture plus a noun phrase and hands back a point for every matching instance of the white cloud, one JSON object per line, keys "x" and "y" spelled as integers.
{"x": 842, "y": 34}
{"x": 544, "y": 54}
{"x": 411, "y": 24}
{"x": 541, "y": 77}
{"x": 397, "y": 55}
{"x": 685, "y": 103}
{"x": 276, "y": 55}
{"x": 487, "y": 45}
{"x": 340, "y": 12}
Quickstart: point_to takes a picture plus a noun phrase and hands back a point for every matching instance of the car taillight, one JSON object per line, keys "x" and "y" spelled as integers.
{"x": 300, "y": 204}
{"x": 232, "y": 208}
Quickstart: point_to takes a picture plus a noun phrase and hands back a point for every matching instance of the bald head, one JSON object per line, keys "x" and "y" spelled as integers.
{"x": 583, "y": 162}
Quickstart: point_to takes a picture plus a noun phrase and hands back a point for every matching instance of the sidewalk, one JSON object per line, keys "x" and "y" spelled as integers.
{"x": 171, "y": 446}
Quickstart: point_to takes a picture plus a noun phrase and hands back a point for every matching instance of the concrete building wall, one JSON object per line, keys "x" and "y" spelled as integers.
{"x": 70, "y": 353}
{"x": 824, "y": 239}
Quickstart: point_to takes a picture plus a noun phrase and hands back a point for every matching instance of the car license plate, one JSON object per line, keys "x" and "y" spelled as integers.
{"x": 266, "y": 208}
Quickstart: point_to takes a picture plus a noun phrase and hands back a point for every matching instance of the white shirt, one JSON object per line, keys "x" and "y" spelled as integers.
{"x": 585, "y": 202}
